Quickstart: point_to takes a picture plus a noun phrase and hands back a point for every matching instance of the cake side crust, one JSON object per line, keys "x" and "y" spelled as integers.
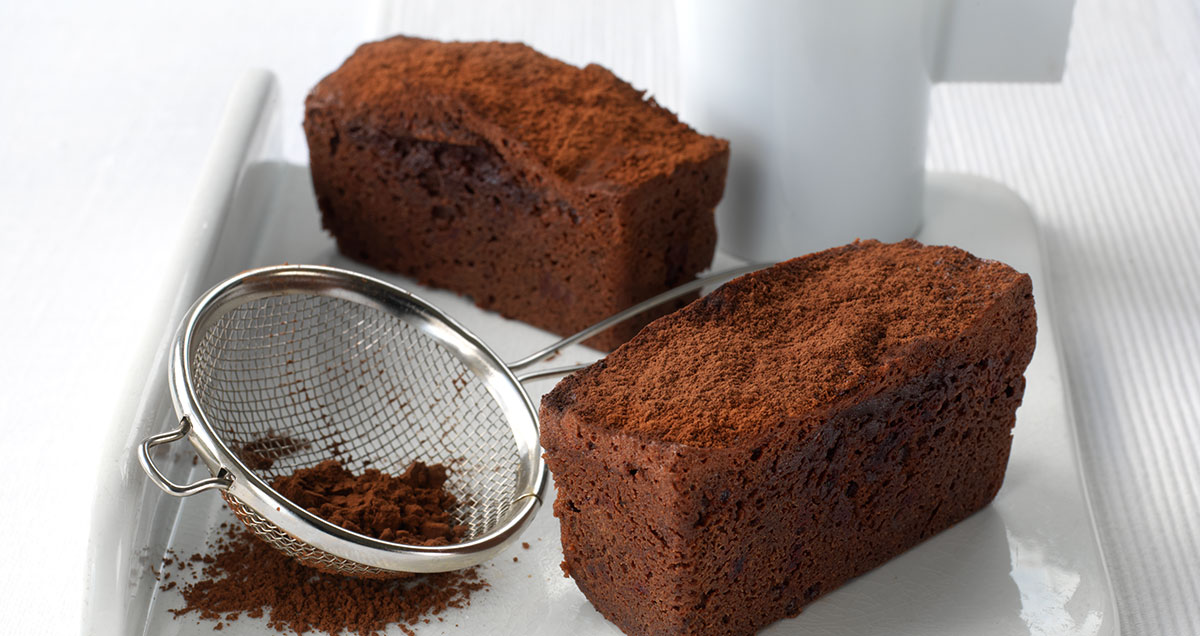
{"x": 618, "y": 514}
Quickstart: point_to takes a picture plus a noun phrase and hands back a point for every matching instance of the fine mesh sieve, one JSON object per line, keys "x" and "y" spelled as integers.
{"x": 281, "y": 368}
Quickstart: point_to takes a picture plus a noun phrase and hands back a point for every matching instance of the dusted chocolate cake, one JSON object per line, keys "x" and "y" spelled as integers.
{"x": 795, "y": 428}
{"x": 552, "y": 194}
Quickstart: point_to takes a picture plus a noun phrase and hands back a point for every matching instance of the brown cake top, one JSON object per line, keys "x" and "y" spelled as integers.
{"x": 583, "y": 124}
{"x": 792, "y": 339}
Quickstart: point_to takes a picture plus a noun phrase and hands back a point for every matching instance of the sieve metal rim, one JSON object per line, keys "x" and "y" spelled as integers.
{"x": 256, "y": 494}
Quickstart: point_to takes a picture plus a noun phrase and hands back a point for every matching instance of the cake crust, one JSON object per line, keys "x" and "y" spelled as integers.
{"x": 552, "y": 194}
{"x": 799, "y": 426}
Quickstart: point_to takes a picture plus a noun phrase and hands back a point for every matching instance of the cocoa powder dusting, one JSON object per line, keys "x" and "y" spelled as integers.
{"x": 819, "y": 329}
{"x": 584, "y": 124}
{"x": 242, "y": 575}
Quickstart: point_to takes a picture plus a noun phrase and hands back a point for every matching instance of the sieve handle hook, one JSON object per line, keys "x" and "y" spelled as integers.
{"x": 171, "y": 488}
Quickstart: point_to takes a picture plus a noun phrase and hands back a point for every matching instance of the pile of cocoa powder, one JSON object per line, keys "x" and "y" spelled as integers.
{"x": 413, "y": 508}
{"x": 243, "y": 575}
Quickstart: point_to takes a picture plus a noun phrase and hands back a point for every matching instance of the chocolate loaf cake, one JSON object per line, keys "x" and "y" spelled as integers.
{"x": 795, "y": 428}
{"x": 552, "y": 194}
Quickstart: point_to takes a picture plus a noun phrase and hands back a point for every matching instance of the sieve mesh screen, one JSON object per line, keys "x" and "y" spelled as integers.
{"x": 288, "y": 381}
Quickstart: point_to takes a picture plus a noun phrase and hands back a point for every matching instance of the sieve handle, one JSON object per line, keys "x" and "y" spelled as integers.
{"x": 621, "y": 316}
{"x": 552, "y": 371}
{"x": 171, "y": 488}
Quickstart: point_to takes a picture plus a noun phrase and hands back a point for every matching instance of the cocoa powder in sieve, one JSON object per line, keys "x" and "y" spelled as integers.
{"x": 412, "y": 508}
{"x": 243, "y": 576}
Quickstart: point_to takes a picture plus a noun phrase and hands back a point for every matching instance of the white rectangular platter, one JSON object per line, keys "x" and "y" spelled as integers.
{"x": 1026, "y": 564}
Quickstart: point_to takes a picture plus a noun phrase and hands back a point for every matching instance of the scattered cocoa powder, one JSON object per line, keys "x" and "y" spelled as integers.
{"x": 241, "y": 575}
{"x": 412, "y": 508}
{"x": 248, "y": 577}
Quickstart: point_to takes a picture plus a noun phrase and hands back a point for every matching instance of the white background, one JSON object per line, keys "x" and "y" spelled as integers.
{"x": 107, "y": 111}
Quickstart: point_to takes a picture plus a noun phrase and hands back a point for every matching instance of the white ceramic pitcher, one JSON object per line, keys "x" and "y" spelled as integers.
{"x": 826, "y": 102}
